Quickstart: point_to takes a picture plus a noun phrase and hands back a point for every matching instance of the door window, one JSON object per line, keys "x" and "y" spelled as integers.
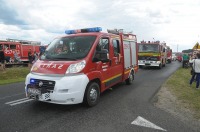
{"x": 12, "y": 46}
{"x": 6, "y": 46}
{"x": 116, "y": 47}
{"x": 104, "y": 43}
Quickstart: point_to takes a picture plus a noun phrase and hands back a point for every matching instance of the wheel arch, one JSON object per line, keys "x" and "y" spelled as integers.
{"x": 85, "y": 97}
{"x": 97, "y": 80}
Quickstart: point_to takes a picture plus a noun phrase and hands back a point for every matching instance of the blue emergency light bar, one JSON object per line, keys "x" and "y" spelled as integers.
{"x": 85, "y": 30}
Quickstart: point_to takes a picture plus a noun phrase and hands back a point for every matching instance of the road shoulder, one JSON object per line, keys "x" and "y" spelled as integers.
{"x": 168, "y": 102}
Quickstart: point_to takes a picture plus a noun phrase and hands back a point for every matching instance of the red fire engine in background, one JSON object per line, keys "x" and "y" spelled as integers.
{"x": 169, "y": 54}
{"x": 179, "y": 56}
{"x": 21, "y": 47}
{"x": 152, "y": 54}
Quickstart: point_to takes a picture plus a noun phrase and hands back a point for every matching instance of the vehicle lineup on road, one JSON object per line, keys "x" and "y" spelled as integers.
{"x": 129, "y": 109}
{"x": 153, "y": 54}
{"x": 78, "y": 67}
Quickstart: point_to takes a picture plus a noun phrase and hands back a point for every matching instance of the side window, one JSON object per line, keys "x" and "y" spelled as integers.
{"x": 104, "y": 43}
{"x": 116, "y": 47}
{"x": 12, "y": 46}
{"x": 103, "y": 46}
{"x": 6, "y": 46}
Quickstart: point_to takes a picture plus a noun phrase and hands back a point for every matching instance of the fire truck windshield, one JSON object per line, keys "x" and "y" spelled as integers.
{"x": 69, "y": 48}
{"x": 148, "y": 47}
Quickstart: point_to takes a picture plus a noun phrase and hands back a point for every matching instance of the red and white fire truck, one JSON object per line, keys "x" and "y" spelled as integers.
{"x": 152, "y": 54}
{"x": 78, "y": 67}
{"x": 21, "y": 47}
{"x": 169, "y": 54}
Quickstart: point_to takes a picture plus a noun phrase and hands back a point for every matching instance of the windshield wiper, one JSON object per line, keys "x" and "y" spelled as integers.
{"x": 56, "y": 58}
{"x": 61, "y": 58}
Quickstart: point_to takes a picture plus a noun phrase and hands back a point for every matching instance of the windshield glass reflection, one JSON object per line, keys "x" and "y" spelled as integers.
{"x": 69, "y": 48}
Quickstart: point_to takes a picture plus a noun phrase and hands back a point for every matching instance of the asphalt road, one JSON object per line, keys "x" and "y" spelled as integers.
{"x": 124, "y": 108}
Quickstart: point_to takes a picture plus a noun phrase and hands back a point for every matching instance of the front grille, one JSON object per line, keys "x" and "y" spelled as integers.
{"x": 47, "y": 84}
{"x": 44, "y": 85}
{"x": 150, "y": 58}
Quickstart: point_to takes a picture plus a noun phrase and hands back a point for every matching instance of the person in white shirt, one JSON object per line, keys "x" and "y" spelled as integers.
{"x": 196, "y": 67}
{"x": 16, "y": 57}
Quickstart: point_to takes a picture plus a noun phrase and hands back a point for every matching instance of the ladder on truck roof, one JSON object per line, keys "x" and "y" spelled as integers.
{"x": 118, "y": 31}
{"x": 24, "y": 41}
{"x": 121, "y": 31}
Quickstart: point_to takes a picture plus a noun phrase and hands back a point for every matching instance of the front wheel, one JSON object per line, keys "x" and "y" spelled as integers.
{"x": 130, "y": 79}
{"x": 160, "y": 66}
{"x": 92, "y": 94}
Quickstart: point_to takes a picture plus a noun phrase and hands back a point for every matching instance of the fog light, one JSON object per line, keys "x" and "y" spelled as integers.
{"x": 71, "y": 99}
{"x": 63, "y": 90}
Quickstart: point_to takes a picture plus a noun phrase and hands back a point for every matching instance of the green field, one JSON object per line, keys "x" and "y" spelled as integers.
{"x": 13, "y": 75}
{"x": 178, "y": 85}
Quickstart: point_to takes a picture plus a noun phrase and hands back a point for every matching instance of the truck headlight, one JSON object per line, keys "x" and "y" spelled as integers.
{"x": 75, "y": 68}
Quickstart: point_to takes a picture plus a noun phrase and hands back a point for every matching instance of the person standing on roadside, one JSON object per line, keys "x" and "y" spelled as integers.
{"x": 185, "y": 59}
{"x": 30, "y": 58}
{"x": 196, "y": 67}
{"x": 192, "y": 64}
{"x": 2, "y": 58}
{"x": 16, "y": 57}
{"x": 191, "y": 58}
{"x": 35, "y": 58}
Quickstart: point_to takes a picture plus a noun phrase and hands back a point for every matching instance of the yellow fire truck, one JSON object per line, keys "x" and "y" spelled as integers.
{"x": 153, "y": 54}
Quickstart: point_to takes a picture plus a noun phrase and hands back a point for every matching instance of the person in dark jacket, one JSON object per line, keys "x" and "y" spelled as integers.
{"x": 185, "y": 59}
{"x": 2, "y": 59}
{"x": 30, "y": 58}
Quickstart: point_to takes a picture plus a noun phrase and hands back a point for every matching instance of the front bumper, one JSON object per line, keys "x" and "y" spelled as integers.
{"x": 67, "y": 89}
{"x": 149, "y": 63}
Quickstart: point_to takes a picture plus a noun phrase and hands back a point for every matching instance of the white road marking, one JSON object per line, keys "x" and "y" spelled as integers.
{"x": 15, "y": 101}
{"x": 139, "y": 121}
{"x": 22, "y": 102}
{"x": 19, "y": 101}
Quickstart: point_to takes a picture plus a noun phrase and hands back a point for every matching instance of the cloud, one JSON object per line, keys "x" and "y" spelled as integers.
{"x": 43, "y": 20}
{"x": 8, "y": 15}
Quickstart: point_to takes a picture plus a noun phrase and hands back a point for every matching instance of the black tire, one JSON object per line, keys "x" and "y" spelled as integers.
{"x": 92, "y": 94}
{"x": 160, "y": 66}
{"x": 130, "y": 79}
{"x": 141, "y": 67}
{"x": 163, "y": 65}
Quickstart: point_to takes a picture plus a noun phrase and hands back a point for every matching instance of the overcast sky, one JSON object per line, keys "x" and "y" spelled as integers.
{"x": 177, "y": 22}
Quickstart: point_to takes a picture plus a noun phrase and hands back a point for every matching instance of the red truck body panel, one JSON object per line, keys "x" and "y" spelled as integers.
{"x": 10, "y": 47}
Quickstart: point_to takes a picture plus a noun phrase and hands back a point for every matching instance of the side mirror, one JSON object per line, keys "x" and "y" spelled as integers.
{"x": 101, "y": 56}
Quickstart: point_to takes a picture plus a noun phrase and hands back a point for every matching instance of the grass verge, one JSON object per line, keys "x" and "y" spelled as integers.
{"x": 189, "y": 97}
{"x": 13, "y": 75}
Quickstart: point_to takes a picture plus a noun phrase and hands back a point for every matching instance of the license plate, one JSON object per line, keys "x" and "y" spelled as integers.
{"x": 31, "y": 86}
{"x": 34, "y": 91}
